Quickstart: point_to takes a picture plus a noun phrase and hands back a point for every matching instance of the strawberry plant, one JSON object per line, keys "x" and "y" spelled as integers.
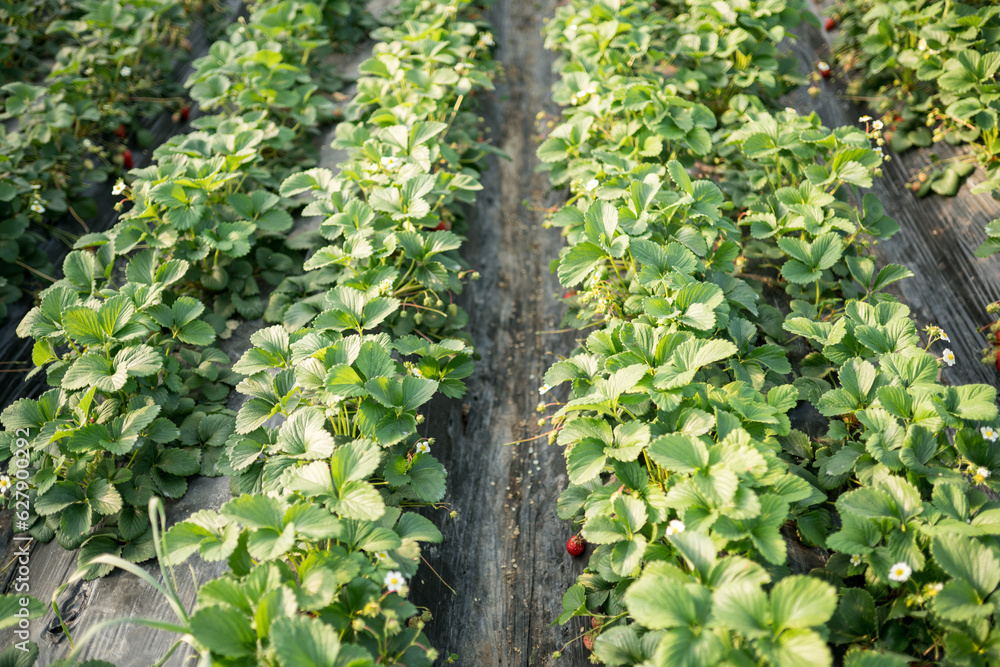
{"x": 326, "y": 451}
{"x": 408, "y": 166}
{"x": 136, "y": 404}
{"x": 112, "y": 65}
{"x": 724, "y": 532}
{"x": 930, "y": 73}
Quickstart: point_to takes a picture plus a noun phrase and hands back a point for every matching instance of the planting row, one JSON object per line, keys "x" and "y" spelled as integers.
{"x": 325, "y": 451}
{"x": 930, "y": 76}
{"x": 726, "y": 308}
{"x": 70, "y": 120}
{"x": 124, "y": 337}
{"x": 929, "y": 73}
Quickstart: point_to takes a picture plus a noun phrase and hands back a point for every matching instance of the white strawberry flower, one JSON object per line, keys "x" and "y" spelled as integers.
{"x": 390, "y": 162}
{"x": 877, "y": 125}
{"x": 487, "y": 39}
{"x": 394, "y": 582}
{"x": 591, "y": 185}
{"x": 989, "y": 433}
{"x": 126, "y": 71}
{"x": 935, "y": 588}
{"x": 855, "y": 560}
{"x": 119, "y": 188}
{"x": 900, "y": 572}
{"x": 878, "y": 149}
{"x": 423, "y": 447}
{"x": 675, "y": 526}
{"x": 944, "y": 337}
{"x": 864, "y": 119}
{"x": 789, "y": 110}
{"x": 948, "y": 356}
{"x": 385, "y": 286}
{"x": 36, "y": 186}
{"x": 982, "y": 474}
{"x": 381, "y": 555}
{"x": 591, "y": 89}
{"x": 822, "y": 66}
{"x": 544, "y": 388}
{"x": 922, "y": 45}
{"x": 37, "y": 207}
{"x": 4, "y": 485}
{"x": 87, "y": 143}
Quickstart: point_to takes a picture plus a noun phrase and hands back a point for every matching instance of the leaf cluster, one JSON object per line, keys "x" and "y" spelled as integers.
{"x": 686, "y": 469}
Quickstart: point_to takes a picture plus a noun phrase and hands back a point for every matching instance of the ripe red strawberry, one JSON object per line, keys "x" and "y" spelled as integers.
{"x": 120, "y": 130}
{"x": 570, "y": 294}
{"x": 998, "y": 360}
{"x": 824, "y": 69}
{"x": 830, "y": 24}
{"x": 575, "y": 545}
{"x": 185, "y": 113}
{"x": 443, "y": 226}
{"x": 127, "y": 159}
{"x": 588, "y": 641}
{"x": 998, "y": 335}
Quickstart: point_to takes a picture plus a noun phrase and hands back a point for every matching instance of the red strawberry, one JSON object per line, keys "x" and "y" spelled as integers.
{"x": 575, "y": 545}
{"x": 824, "y": 69}
{"x": 120, "y": 130}
{"x": 595, "y": 622}
{"x": 588, "y": 641}
{"x": 570, "y": 294}
{"x": 998, "y": 360}
{"x": 185, "y": 113}
{"x": 443, "y": 226}
{"x": 127, "y": 159}
{"x": 830, "y": 24}
{"x": 998, "y": 335}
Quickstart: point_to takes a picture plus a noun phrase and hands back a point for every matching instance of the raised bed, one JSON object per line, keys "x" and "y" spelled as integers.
{"x": 15, "y": 352}
{"x": 939, "y": 235}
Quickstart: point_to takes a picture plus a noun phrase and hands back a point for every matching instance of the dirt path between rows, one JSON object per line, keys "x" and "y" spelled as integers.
{"x": 504, "y": 554}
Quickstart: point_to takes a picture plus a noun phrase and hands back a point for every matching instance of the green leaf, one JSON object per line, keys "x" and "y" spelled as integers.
{"x": 95, "y": 370}
{"x": 798, "y": 648}
{"x": 578, "y": 262}
{"x": 680, "y": 453}
{"x": 657, "y": 601}
{"x": 304, "y": 435}
{"x": 969, "y": 561}
{"x": 802, "y": 602}
{"x": 360, "y": 500}
{"x": 959, "y": 601}
{"x": 743, "y": 607}
{"x": 355, "y": 461}
{"x": 585, "y": 460}
{"x": 269, "y": 543}
{"x": 300, "y": 641}
{"x": 225, "y": 631}
{"x": 103, "y": 497}
{"x": 10, "y": 608}
{"x": 60, "y": 496}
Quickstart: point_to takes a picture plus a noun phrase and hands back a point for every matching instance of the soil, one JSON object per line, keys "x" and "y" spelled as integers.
{"x": 505, "y": 553}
